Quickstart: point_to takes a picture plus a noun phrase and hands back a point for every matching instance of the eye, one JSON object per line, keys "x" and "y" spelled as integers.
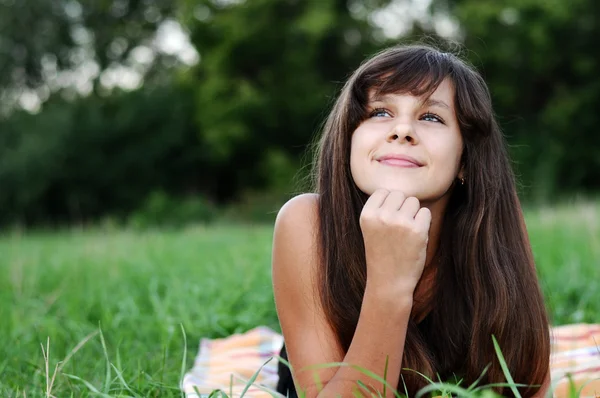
{"x": 379, "y": 112}
{"x": 432, "y": 117}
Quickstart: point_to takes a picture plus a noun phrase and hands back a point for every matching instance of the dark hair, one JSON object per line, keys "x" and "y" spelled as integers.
{"x": 486, "y": 282}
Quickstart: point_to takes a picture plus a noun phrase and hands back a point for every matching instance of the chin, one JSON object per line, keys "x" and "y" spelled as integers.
{"x": 407, "y": 189}
{"x": 409, "y": 186}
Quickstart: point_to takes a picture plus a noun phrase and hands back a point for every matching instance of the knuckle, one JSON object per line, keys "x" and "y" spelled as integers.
{"x": 366, "y": 217}
{"x": 414, "y": 200}
{"x": 385, "y": 218}
{"x": 415, "y": 229}
{"x": 398, "y": 194}
{"x": 401, "y": 222}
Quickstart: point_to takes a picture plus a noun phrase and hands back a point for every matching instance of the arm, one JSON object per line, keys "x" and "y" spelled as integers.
{"x": 382, "y": 324}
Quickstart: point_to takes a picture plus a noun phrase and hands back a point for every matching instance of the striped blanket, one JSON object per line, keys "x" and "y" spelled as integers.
{"x": 228, "y": 364}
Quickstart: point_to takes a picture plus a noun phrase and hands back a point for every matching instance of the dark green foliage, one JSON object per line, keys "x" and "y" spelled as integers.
{"x": 268, "y": 76}
{"x": 78, "y": 160}
{"x": 239, "y": 122}
{"x": 161, "y": 210}
{"x": 270, "y": 70}
{"x": 540, "y": 62}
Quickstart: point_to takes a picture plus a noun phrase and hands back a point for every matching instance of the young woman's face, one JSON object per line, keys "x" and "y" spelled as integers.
{"x": 409, "y": 143}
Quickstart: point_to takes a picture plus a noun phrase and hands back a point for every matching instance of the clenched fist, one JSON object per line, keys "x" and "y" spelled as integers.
{"x": 395, "y": 231}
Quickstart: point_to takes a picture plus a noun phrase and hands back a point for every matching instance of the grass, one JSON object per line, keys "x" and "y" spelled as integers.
{"x": 109, "y": 308}
{"x": 566, "y": 247}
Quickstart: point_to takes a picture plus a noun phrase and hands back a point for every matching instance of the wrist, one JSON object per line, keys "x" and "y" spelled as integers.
{"x": 398, "y": 296}
{"x": 395, "y": 287}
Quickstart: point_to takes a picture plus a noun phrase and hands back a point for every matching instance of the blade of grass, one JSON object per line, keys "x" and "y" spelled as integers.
{"x": 197, "y": 392}
{"x": 404, "y": 385}
{"x": 283, "y": 361}
{"x": 107, "y": 381}
{"x": 184, "y": 359}
{"x": 584, "y": 385}
{"x": 385, "y": 370}
{"x": 356, "y": 393}
{"x": 364, "y": 387}
{"x": 122, "y": 380}
{"x": 504, "y": 367}
{"x": 88, "y": 385}
{"x": 318, "y": 382}
{"x": 572, "y": 388}
{"x": 46, "y": 355}
{"x": 420, "y": 374}
{"x": 254, "y": 376}
{"x": 459, "y": 391}
{"x": 491, "y": 385}
{"x": 480, "y": 377}
{"x": 273, "y": 394}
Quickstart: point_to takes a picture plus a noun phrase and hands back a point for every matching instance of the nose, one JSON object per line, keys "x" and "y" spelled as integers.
{"x": 403, "y": 133}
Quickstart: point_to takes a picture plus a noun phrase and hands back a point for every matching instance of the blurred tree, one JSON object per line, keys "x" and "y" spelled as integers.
{"x": 39, "y": 39}
{"x": 239, "y": 120}
{"x": 87, "y": 153}
{"x": 268, "y": 74}
{"x": 79, "y": 161}
{"x": 270, "y": 69}
{"x": 539, "y": 59}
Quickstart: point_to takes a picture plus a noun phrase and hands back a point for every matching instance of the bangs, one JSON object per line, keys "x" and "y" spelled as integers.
{"x": 411, "y": 71}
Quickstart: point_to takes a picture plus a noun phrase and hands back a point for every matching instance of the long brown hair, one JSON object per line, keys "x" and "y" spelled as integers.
{"x": 486, "y": 282}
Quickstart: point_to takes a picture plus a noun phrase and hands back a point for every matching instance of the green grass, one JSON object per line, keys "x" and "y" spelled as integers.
{"x": 59, "y": 290}
{"x": 138, "y": 288}
{"x": 566, "y": 246}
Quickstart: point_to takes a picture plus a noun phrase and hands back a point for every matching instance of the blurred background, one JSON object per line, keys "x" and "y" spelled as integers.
{"x": 160, "y": 112}
{"x": 127, "y": 125}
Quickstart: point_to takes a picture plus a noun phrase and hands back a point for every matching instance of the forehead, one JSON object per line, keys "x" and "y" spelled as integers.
{"x": 444, "y": 92}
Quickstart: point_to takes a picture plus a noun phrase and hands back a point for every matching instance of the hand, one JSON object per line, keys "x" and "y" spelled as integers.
{"x": 395, "y": 231}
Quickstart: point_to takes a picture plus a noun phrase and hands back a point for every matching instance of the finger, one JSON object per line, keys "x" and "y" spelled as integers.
{"x": 376, "y": 199}
{"x": 423, "y": 218}
{"x": 393, "y": 201}
{"x": 409, "y": 208}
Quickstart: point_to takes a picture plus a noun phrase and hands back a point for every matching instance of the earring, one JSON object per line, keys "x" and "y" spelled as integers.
{"x": 462, "y": 180}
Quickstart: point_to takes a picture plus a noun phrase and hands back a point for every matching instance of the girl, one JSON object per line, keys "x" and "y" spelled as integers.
{"x": 413, "y": 251}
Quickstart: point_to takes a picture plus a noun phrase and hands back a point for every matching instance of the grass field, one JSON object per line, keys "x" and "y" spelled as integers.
{"x": 61, "y": 289}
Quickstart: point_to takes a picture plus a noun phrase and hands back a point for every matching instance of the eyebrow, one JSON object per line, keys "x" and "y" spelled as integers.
{"x": 434, "y": 102}
{"x": 380, "y": 98}
{"x": 427, "y": 102}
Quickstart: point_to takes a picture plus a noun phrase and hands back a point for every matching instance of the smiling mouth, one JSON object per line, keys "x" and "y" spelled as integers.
{"x": 399, "y": 163}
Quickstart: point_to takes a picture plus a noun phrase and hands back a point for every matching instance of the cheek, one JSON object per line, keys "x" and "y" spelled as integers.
{"x": 355, "y": 157}
{"x": 359, "y": 154}
{"x": 358, "y": 147}
{"x": 449, "y": 156}
{"x": 353, "y": 150}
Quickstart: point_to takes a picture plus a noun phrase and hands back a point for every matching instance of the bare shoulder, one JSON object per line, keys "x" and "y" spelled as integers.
{"x": 299, "y": 212}
{"x": 295, "y": 234}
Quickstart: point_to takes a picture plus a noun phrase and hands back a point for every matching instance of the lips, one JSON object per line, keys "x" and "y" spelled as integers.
{"x": 399, "y": 160}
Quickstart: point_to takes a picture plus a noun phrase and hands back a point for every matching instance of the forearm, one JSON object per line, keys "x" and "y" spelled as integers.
{"x": 380, "y": 334}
